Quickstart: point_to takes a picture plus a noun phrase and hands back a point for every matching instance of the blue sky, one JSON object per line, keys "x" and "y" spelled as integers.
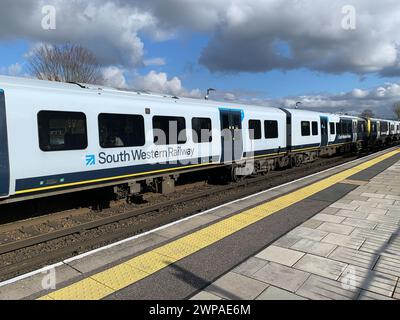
{"x": 182, "y": 55}
{"x": 253, "y": 51}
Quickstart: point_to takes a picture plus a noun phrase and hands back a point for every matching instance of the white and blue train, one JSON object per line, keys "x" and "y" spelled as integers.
{"x": 59, "y": 138}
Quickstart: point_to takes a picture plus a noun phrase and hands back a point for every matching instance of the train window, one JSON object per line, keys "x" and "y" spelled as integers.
{"x": 271, "y": 129}
{"x": 349, "y": 127}
{"x": 344, "y": 127}
{"x": 169, "y": 130}
{"x": 121, "y": 130}
{"x": 384, "y": 126}
{"x": 314, "y": 128}
{"x": 255, "y": 129}
{"x": 305, "y": 128}
{"x": 62, "y": 131}
{"x": 201, "y": 130}
{"x": 338, "y": 128}
{"x": 332, "y": 127}
{"x": 360, "y": 127}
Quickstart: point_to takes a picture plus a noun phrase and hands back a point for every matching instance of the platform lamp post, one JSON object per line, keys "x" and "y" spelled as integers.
{"x": 209, "y": 90}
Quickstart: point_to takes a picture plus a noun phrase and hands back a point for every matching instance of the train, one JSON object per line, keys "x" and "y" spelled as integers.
{"x": 58, "y": 138}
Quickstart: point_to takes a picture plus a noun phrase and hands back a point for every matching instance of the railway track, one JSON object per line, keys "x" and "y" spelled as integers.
{"x": 30, "y": 244}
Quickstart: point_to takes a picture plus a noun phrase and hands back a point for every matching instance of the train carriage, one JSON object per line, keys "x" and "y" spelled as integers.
{"x": 59, "y": 138}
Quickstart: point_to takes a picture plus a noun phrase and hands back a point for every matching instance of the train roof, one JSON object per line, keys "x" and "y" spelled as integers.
{"x": 76, "y": 88}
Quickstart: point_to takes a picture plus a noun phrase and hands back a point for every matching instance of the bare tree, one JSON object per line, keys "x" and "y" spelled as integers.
{"x": 65, "y": 63}
{"x": 367, "y": 113}
{"x": 396, "y": 109}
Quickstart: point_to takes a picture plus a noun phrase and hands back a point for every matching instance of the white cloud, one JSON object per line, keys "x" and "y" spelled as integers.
{"x": 380, "y": 100}
{"x": 109, "y": 28}
{"x": 158, "y": 82}
{"x": 157, "y": 62}
{"x": 114, "y": 77}
{"x": 244, "y": 33}
{"x": 12, "y": 70}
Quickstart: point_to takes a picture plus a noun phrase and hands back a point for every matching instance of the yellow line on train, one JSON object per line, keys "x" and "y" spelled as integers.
{"x": 107, "y": 282}
{"x": 65, "y": 185}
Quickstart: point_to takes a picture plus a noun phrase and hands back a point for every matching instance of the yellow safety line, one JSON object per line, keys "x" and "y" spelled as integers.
{"x": 104, "y": 283}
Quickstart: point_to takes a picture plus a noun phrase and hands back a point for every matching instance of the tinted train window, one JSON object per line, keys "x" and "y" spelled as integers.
{"x": 120, "y": 130}
{"x": 315, "y": 128}
{"x": 384, "y": 127}
{"x": 360, "y": 127}
{"x": 348, "y": 127}
{"x": 169, "y": 130}
{"x": 255, "y": 129}
{"x": 344, "y": 127}
{"x": 271, "y": 129}
{"x": 338, "y": 128}
{"x": 62, "y": 131}
{"x": 332, "y": 127}
{"x": 201, "y": 130}
{"x": 305, "y": 128}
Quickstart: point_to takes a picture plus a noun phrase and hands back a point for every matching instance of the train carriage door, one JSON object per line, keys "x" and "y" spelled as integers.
{"x": 4, "y": 161}
{"x": 324, "y": 131}
{"x": 231, "y": 135}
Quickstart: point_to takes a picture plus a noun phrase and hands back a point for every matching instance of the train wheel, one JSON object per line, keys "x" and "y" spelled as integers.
{"x": 298, "y": 160}
{"x": 234, "y": 176}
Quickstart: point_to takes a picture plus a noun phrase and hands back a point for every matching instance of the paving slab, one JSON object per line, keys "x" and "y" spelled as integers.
{"x": 274, "y": 293}
{"x": 280, "y": 255}
{"x": 353, "y": 242}
{"x": 287, "y": 241}
{"x": 250, "y": 266}
{"x": 359, "y": 223}
{"x": 314, "y": 247}
{"x": 281, "y": 276}
{"x": 336, "y": 228}
{"x": 316, "y": 235}
{"x": 204, "y": 295}
{"x": 233, "y": 286}
{"x": 312, "y": 224}
{"x": 320, "y": 288}
{"x": 367, "y": 295}
{"x": 396, "y": 294}
{"x": 354, "y": 257}
{"x": 382, "y": 248}
{"x": 376, "y": 282}
{"x": 328, "y": 218}
{"x": 353, "y": 214}
{"x": 388, "y": 265}
{"x": 328, "y": 268}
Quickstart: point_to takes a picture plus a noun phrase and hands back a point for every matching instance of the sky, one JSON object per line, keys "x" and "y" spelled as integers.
{"x": 330, "y": 55}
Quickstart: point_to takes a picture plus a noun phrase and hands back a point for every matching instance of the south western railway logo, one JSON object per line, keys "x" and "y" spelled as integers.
{"x": 138, "y": 155}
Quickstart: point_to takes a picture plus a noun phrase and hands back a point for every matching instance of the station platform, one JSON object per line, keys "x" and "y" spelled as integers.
{"x": 332, "y": 235}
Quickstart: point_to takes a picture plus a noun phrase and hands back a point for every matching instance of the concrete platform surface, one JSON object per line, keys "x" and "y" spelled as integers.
{"x": 330, "y": 235}
{"x": 350, "y": 250}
